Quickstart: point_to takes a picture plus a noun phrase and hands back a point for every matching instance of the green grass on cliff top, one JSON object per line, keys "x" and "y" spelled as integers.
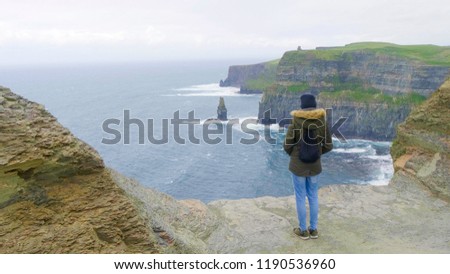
{"x": 353, "y": 92}
{"x": 428, "y": 54}
{"x": 374, "y": 96}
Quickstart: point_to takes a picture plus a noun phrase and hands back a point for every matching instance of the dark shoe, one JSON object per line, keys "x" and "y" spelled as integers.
{"x": 313, "y": 234}
{"x": 302, "y": 234}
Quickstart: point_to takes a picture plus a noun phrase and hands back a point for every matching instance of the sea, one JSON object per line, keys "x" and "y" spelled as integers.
{"x": 100, "y": 102}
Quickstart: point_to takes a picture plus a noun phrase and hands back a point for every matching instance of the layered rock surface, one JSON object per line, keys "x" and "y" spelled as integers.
{"x": 380, "y": 70}
{"x": 352, "y": 219}
{"x": 421, "y": 152}
{"x": 56, "y": 195}
{"x": 375, "y": 70}
{"x": 373, "y": 121}
{"x": 238, "y": 75}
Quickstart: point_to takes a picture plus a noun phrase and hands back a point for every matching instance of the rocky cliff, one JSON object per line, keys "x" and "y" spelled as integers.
{"x": 374, "y": 121}
{"x": 421, "y": 152}
{"x": 56, "y": 196}
{"x": 251, "y": 78}
{"x": 375, "y": 85}
{"x": 383, "y": 69}
{"x": 239, "y": 74}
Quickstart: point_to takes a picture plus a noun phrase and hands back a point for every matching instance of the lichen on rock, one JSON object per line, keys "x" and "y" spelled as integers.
{"x": 55, "y": 194}
{"x": 421, "y": 151}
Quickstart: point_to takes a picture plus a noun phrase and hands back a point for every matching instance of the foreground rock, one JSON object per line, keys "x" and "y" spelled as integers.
{"x": 56, "y": 195}
{"x": 421, "y": 152}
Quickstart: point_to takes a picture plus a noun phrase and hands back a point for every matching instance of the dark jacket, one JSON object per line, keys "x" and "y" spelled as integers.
{"x": 301, "y": 119}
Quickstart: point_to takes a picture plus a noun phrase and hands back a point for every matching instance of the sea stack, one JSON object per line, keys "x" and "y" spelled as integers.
{"x": 222, "y": 110}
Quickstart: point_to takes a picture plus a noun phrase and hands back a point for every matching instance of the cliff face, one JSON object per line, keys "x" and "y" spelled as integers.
{"x": 421, "y": 151}
{"x": 251, "y": 79}
{"x": 375, "y": 121}
{"x": 55, "y": 194}
{"x": 389, "y": 74}
{"x": 238, "y": 75}
{"x": 374, "y": 85}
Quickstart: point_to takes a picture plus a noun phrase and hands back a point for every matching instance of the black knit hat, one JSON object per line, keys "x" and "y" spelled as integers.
{"x": 308, "y": 101}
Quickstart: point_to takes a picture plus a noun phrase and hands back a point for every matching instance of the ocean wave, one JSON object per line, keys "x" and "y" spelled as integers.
{"x": 206, "y": 87}
{"x": 378, "y": 182}
{"x": 385, "y": 174}
{"x": 350, "y": 150}
{"x": 252, "y": 123}
{"x": 230, "y": 120}
{"x": 361, "y": 142}
{"x": 383, "y": 158}
{"x": 208, "y": 90}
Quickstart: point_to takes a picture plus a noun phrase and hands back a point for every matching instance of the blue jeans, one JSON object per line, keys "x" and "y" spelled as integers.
{"x": 306, "y": 186}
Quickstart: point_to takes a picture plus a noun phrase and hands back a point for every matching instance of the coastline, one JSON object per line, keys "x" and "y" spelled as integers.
{"x": 58, "y": 197}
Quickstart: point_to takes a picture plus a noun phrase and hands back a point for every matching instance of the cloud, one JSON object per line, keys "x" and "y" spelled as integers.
{"x": 153, "y": 35}
{"x": 149, "y": 29}
{"x": 13, "y": 35}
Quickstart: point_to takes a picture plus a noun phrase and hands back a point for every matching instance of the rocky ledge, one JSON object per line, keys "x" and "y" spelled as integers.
{"x": 421, "y": 152}
{"x": 353, "y": 219}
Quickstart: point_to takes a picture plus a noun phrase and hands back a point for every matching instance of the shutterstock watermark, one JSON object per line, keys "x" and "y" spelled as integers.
{"x": 213, "y": 131}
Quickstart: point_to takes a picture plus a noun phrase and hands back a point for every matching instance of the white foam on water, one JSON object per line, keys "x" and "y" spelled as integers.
{"x": 208, "y": 94}
{"x": 206, "y": 87}
{"x": 251, "y": 123}
{"x": 213, "y": 121}
{"x": 212, "y": 89}
{"x": 385, "y": 173}
{"x": 350, "y": 150}
{"x": 384, "y": 158}
{"x": 382, "y": 168}
{"x": 381, "y": 182}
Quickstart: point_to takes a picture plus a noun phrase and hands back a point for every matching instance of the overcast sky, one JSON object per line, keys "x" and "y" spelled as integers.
{"x": 54, "y": 31}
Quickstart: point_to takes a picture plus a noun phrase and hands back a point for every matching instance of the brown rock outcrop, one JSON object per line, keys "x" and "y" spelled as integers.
{"x": 55, "y": 194}
{"x": 421, "y": 152}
